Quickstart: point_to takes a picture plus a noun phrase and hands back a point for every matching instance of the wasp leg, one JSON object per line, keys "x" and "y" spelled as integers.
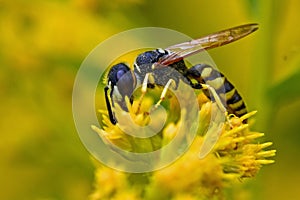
{"x": 164, "y": 92}
{"x": 218, "y": 101}
{"x": 216, "y": 97}
{"x": 149, "y": 77}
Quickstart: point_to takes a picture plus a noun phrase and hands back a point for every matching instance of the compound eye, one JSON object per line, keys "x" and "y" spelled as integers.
{"x": 116, "y": 73}
{"x": 122, "y": 78}
{"x": 120, "y": 73}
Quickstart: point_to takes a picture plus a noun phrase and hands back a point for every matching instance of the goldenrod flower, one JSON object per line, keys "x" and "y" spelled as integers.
{"x": 195, "y": 175}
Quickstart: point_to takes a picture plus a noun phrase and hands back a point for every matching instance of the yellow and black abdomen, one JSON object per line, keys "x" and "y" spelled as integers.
{"x": 229, "y": 96}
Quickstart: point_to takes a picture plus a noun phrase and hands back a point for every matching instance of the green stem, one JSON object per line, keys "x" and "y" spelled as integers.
{"x": 263, "y": 63}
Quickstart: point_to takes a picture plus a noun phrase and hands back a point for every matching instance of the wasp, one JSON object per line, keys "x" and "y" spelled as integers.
{"x": 153, "y": 65}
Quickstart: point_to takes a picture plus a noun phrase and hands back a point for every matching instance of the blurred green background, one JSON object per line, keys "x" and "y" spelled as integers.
{"x": 44, "y": 42}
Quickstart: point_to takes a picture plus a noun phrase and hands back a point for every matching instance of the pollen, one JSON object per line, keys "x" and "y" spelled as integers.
{"x": 234, "y": 152}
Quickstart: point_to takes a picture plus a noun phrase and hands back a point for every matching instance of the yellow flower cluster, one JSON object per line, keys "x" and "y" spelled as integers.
{"x": 235, "y": 155}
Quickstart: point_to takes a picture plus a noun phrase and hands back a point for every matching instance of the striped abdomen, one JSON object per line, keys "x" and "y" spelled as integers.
{"x": 229, "y": 96}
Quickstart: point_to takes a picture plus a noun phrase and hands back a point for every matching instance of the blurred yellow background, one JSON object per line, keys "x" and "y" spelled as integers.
{"x": 44, "y": 42}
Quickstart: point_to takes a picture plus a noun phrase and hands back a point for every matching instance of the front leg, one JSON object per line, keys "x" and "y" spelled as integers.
{"x": 145, "y": 85}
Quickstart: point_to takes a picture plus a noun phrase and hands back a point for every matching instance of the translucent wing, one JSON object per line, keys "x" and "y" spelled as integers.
{"x": 182, "y": 50}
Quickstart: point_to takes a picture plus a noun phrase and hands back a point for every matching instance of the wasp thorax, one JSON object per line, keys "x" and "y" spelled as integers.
{"x": 150, "y": 57}
{"x": 143, "y": 63}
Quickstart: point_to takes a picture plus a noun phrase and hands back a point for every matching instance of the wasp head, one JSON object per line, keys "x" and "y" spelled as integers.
{"x": 121, "y": 82}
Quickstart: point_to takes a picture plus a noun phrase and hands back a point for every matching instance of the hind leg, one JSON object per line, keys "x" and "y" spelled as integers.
{"x": 204, "y": 74}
